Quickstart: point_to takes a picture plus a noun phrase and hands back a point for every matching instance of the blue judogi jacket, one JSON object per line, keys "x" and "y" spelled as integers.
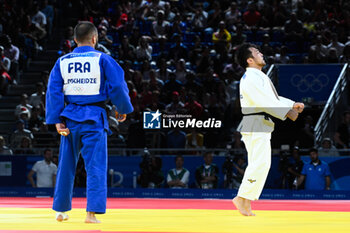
{"x": 83, "y": 77}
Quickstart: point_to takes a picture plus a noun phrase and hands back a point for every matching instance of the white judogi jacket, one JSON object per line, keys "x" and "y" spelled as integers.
{"x": 257, "y": 94}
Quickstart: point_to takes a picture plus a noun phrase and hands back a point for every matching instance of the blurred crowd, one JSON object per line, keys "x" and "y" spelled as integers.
{"x": 178, "y": 57}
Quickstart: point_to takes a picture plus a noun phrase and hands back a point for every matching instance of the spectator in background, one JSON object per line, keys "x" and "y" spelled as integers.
{"x": 336, "y": 44}
{"x": 232, "y": 16}
{"x": 36, "y": 98}
{"x": 125, "y": 50}
{"x": 179, "y": 176}
{"x": 207, "y": 173}
{"x": 282, "y": 56}
{"x": 176, "y": 139}
{"x": 23, "y": 105}
{"x": 316, "y": 173}
{"x": 252, "y": 17}
{"x": 234, "y": 180}
{"x": 16, "y": 137}
{"x": 199, "y": 19}
{"x": 327, "y": 148}
{"x": 176, "y": 106}
{"x": 45, "y": 172}
{"x": 151, "y": 172}
{"x": 160, "y": 26}
{"x": 25, "y": 148}
{"x": 68, "y": 43}
{"x": 181, "y": 71}
{"x": 294, "y": 170}
{"x": 11, "y": 52}
{"x": 345, "y": 57}
{"x": 342, "y": 136}
{"x": 103, "y": 38}
{"x": 24, "y": 116}
{"x": 319, "y": 51}
{"x": 293, "y": 30}
{"x": 38, "y": 18}
{"x": 4, "y": 150}
{"x": 306, "y": 136}
{"x": 222, "y": 38}
{"x": 194, "y": 139}
{"x": 44, "y": 138}
{"x": 5, "y": 66}
{"x": 49, "y": 13}
{"x": 144, "y": 50}
{"x": 178, "y": 50}
{"x": 193, "y": 107}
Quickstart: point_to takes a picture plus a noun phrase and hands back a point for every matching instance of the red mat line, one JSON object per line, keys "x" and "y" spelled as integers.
{"x": 138, "y": 203}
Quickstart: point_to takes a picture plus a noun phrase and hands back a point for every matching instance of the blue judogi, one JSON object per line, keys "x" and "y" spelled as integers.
{"x": 77, "y": 82}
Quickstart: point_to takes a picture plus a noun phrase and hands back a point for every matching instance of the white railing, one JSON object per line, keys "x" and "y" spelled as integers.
{"x": 331, "y": 104}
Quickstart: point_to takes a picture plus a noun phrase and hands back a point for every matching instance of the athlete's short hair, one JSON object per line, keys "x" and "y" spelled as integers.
{"x": 84, "y": 31}
{"x": 243, "y": 53}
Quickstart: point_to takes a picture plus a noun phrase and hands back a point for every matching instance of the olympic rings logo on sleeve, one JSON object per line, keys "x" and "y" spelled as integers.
{"x": 309, "y": 82}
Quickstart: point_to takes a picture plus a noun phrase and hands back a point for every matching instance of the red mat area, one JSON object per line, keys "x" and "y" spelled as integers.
{"x": 138, "y": 203}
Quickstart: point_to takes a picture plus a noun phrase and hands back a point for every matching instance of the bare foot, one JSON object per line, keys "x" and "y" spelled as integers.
{"x": 60, "y": 216}
{"x": 91, "y": 218}
{"x": 239, "y": 202}
{"x": 248, "y": 207}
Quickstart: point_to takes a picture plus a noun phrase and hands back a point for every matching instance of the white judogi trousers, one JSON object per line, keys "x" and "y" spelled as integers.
{"x": 258, "y": 145}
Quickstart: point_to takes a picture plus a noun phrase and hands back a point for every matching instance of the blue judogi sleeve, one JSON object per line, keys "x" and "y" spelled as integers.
{"x": 54, "y": 96}
{"x": 117, "y": 89}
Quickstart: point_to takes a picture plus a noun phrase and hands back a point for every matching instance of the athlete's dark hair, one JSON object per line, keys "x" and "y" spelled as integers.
{"x": 314, "y": 149}
{"x": 179, "y": 157}
{"x": 84, "y": 31}
{"x": 243, "y": 53}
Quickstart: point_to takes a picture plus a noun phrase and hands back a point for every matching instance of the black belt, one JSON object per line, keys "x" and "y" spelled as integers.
{"x": 101, "y": 104}
{"x": 266, "y": 115}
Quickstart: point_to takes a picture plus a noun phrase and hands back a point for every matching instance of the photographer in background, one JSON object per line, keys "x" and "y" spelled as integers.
{"x": 294, "y": 170}
{"x": 206, "y": 174}
{"x": 151, "y": 171}
{"x": 283, "y": 165}
{"x": 233, "y": 168}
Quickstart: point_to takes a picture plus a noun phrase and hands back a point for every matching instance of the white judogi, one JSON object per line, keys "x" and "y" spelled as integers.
{"x": 257, "y": 95}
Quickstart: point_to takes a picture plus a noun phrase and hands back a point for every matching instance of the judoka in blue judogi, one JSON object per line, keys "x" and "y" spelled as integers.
{"x": 80, "y": 83}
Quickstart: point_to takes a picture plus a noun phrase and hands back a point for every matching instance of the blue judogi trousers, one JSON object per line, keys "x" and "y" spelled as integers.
{"x": 89, "y": 138}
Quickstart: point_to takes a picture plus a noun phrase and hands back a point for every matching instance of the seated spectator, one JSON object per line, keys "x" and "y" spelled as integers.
{"x": 103, "y": 38}
{"x": 4, "y": 150}
{"x": 194, "y": 139}
{"x": 25, "y": 148}
{"x": 45, "y": 171}
{"x": 252, "y": 17}
{"x": 67, "y": 43}
{"x": 178, "y": 50}
{"x": 332, "y": 56}
{"x": 282, "y": 56}
{"x": 339, "y": 47}
{"x": 238, "y": 37}
{"x": 319, "y": 50}
{"x": 193, "y": 107}
{"x": 232, "y": 15}
{"x": 234, "y": 179}
{"x": 151, "y": 172}
{"x": 199, "y": 19}
{"x": 342, "y": 137}
{"x": 35, "y": 120}
{"x": 5, "y": 65}
{"x": 181, "y": 71}
{"x": 144, "y": 50}
{"x": 306, "y": 135}
{"x": 345, "y": 57}
{"x": 327, "y": 148}
{"x": 207, "y": 173}
{"x": 293, "y": 30}
{"x": 176, "y": 106}
{"x": 160, "y": 26}
{"x": 16, "y": 137}
{"x": 44, "y": 138}
{"x": 125, "y": 50}
{"x": 36, "y": 98}
{"x": 179, "y": 176}
{"x": 176, "y": 139}
{"x": 11, "y": 52}
{"x": 24, "y": 116}
{"x": 154, "y": 82}
{"x": 222, "y": 38}
{"x": 23, "y": 105}
{"x": 294, "y": 170}
{"x": 102, "y": 48}
{"x": 316, "y": 173}
{"x": 38, "y": 18}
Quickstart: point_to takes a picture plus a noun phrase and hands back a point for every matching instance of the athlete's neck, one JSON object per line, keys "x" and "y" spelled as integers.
{"x": 87, "y": 44}
{"x": 256, "y": 67}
